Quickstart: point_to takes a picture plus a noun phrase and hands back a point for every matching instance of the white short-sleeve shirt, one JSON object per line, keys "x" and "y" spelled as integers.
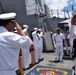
{"x": 58, "y": 37}
{"x": 10, "y": 44}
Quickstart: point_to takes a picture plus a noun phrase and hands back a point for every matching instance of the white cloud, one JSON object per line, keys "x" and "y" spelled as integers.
{"x": 58, "y": 5}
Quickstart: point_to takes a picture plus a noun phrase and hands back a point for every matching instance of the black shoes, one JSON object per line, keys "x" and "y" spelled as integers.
{"x": 31, "y": 65}
{"x": 37, "y": 62}
{"x": 60, "y": 60}
{"x": 73, "y": 67}
{"x": 57, "y": 60}
{"x": 26, "y": 68}
{"x": 19, "y": 73}
{"x": 41, "y": 59}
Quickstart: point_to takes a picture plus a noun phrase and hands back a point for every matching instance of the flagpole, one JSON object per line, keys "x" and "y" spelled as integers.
{"x": 73, "y": 5}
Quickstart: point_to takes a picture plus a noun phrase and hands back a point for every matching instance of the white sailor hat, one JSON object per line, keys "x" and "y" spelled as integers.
{"x": 25, "y": 26}
{"x": 40, "y": 29}
{"x": 35, "y": 28}
{"x": 7, "y": 16}
{"x": 74, "y": 12}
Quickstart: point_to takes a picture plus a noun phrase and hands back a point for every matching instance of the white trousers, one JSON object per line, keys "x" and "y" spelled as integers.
{"x": 71, "y": 47}
{"x": 40, "y": 52}
{"x": 25, "y": 54}
{"x": 66, "y": 45}
{"x": 59, "y": 51}
{"x": 36, "y": 50}
{"x": 12, "y": 72}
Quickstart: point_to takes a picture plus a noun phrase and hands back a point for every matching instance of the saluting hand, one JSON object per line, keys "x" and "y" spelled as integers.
{"x": 19, "y": 30}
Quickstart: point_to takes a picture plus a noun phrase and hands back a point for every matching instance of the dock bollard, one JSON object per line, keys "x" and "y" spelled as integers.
{"x": 32, "y": 57}
{"x": 20, "y": 63}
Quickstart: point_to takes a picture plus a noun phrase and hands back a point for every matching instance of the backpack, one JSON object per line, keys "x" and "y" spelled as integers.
{"x": 74, "y": 48}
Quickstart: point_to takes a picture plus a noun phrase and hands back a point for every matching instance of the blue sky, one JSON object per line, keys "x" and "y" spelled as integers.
{"x": 70, "y": 4}
{"x": 61, "y": 5}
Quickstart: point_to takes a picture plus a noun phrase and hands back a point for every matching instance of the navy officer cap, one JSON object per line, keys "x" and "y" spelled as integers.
{"x": 7, "y": 16}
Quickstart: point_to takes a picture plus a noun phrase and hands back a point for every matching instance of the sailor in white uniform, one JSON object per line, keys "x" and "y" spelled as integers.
{"x": 10, "y": 44}
{"x": 36, "y": 44}
{"x": 25, "y": 28}
{"x": 70, "y": 43}
{"x": 59, "y": 37}
{"x": 73, "y": 31}
{"x": 41, "y": 43}
{"x": 25, "y": 52}
{"x": 65, "y": 41}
